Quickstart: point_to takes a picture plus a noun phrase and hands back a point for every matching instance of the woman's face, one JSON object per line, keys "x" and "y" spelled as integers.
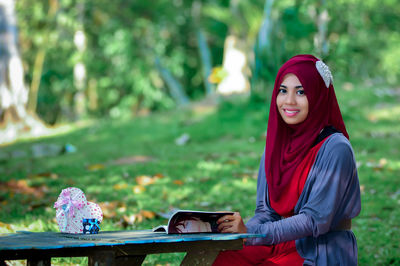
{"x": 291, "y": 101}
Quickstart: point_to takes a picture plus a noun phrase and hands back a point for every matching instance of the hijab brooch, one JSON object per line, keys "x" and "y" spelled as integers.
{"x": 325, "y": 73}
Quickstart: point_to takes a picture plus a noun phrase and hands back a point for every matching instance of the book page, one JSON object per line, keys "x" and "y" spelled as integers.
{"x": 161, "y": 228}
{"x": 194, "y": 222}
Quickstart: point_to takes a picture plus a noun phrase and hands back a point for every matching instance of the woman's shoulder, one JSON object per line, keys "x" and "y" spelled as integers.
{"x": 336, "y": 154}
{"x": 337, "y": 144}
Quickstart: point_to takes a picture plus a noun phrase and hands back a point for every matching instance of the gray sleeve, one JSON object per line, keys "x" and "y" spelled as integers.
{"x": 263, "y": 212}
{"x": 331, "y": 193}
{"x": 334, "y": 189}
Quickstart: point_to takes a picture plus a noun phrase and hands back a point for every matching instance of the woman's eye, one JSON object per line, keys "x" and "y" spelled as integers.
{"x": 300, "y": 92}
{"x": 282, "y": 90}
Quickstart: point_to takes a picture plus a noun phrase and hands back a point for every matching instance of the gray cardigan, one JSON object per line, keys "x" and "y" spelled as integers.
{"x": 331, "y": 194}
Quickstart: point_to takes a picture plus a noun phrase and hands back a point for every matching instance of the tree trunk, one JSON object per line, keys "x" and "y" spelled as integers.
{"x": 14, "y": 118}
{"x": 204, "y": 50}
{"x": 79, "y": 67}
{"x": 263, "y": 42}
{"x": 235, "y": 60}
{"x": 175, "y": 88}
{"x": 320, "y": 39}
{"x": 235, "y": 64}
{"x": 39, "y": 62}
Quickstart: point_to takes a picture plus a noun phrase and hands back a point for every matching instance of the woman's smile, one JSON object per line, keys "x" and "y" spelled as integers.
{"x": 291, "y": 112}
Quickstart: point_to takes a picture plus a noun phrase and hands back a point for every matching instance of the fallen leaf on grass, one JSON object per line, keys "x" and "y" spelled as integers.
{"x": 22, "y": 187}
{"x": 138, "y": 189}
{"x": 178, "y": 182}
{"x": 232, "y": 161}
{"x": 128, "y": 220}
{"x": 109, "y": 208}
{"x": 132, "y": 160}
{"x": 147, "y": 214}
{"x": 159, "y": 175}
{"x": 143, "y": 214}
{"x": 144, "y": 180}
{"x": 120, "y": 186}
{"x": 95, "y": 167}
{"x": 122, "y": 209}
{"x": 138, "y": 217}
{"x": 45, "y": 174}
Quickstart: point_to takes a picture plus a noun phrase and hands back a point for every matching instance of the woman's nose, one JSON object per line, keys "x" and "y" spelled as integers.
{"x": 290, "y": 98}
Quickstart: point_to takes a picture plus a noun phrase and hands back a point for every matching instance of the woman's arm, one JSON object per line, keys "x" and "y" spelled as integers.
{"x": 263, "y": 212}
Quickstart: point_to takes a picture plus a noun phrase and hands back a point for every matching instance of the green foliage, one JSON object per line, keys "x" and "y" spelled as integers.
{"x": 124, "y": 38}
{"x": 390, "y": 57}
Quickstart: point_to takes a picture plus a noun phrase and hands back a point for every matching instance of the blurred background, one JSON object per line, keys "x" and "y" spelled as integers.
{"x": 66, "y": 60}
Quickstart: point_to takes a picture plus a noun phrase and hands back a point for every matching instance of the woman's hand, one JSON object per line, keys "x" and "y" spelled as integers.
{"x": 231, "y": 224}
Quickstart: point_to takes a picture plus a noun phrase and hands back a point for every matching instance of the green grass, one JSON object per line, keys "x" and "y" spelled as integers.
{"x": 215, "y": 170}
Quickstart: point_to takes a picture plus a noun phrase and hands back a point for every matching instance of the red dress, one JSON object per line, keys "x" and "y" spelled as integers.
{"x": 283, "y": 253}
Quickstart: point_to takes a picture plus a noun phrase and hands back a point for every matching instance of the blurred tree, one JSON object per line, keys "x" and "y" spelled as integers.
{"x": 80, "y": 74}
{"x": 123, "y": 39}
{"x": 243, "y": 20}
{"x": 177, "y": 92}
{"x": 204, "y": 50}
{"x": 263, "y": 55}
{"x": 362, "y": 37}
{"x": 48, "y": 51}
{"x": 321, "y": 17}
{"x": 14, "y": 117}
{"x": 39, "y": 61}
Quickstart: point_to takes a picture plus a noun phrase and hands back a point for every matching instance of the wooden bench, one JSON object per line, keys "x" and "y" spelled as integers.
{"x": 116, "y": 248}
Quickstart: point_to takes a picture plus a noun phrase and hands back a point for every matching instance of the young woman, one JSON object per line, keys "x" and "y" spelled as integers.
{"x": 308, "y": 189}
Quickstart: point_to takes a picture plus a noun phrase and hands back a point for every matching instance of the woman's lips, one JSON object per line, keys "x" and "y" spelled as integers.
{"x": 291, "y": 112}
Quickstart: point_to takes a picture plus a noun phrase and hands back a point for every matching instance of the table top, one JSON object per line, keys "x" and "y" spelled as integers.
{"x": 25, "y": 240}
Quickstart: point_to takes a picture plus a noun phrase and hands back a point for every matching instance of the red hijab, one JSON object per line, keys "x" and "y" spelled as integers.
{"x": 287, "y": 145}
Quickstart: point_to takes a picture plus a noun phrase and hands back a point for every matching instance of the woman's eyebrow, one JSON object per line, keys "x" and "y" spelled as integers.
{"x": 296, "y": 87}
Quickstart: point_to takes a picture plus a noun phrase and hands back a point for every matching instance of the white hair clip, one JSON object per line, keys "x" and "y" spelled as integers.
{"x": 324, "y": 72}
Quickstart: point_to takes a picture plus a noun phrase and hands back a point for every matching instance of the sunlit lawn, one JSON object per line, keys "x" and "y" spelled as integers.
{"x": 214, "y": 170}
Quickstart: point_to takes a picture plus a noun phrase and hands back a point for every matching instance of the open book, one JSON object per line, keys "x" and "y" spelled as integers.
{"x": 186, "y": 221}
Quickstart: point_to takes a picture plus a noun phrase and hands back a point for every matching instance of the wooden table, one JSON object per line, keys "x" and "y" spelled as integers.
{"x": 116, "y": 248}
